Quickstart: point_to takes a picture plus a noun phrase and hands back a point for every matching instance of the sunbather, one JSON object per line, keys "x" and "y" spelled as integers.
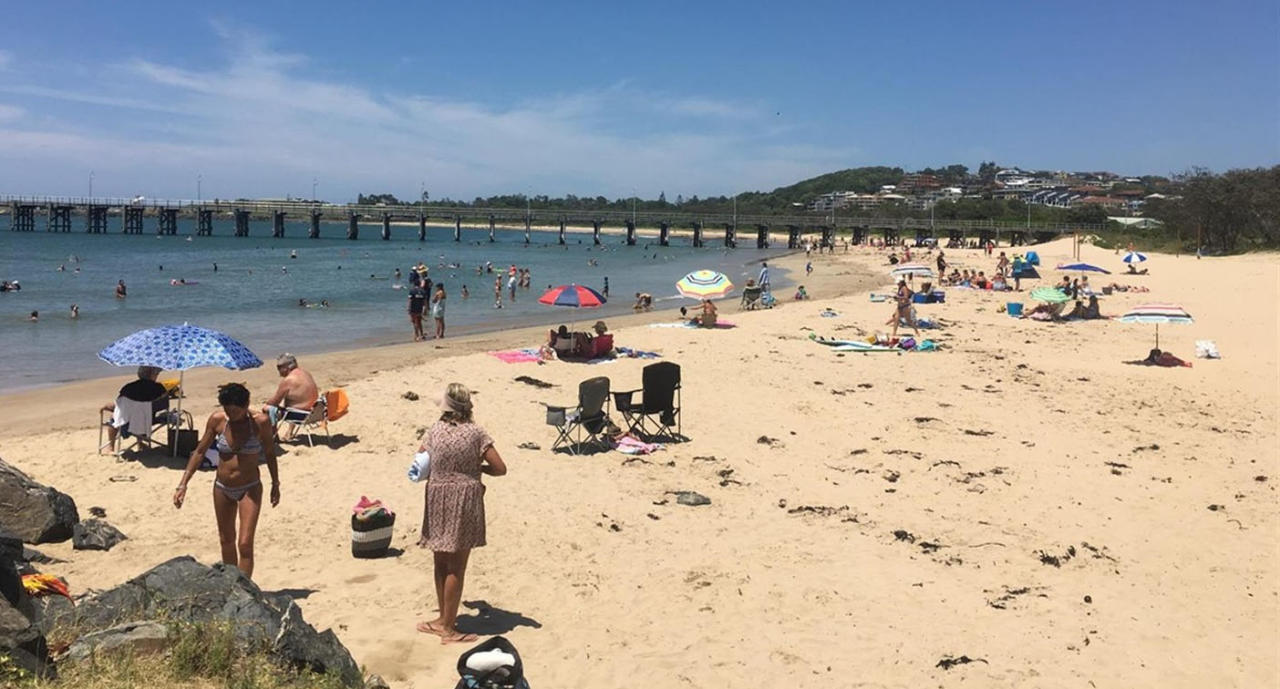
{"x": 1135, "y": 271}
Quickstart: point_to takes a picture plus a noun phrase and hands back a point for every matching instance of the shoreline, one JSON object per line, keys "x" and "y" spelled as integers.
{"x": 333, "y": 367}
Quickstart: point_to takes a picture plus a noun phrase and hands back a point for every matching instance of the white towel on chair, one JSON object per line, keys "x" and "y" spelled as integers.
{"x": 134, "y": 415}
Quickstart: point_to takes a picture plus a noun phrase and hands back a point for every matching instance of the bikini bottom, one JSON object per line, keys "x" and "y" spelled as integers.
{"x": 236, "y": 493}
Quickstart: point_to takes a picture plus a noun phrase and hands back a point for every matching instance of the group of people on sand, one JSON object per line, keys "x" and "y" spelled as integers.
{"x": 563, "y": 344}
{"x": 238, "y": 439}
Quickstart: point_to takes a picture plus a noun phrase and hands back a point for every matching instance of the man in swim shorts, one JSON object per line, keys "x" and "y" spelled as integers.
{"x": 296, "y": 394}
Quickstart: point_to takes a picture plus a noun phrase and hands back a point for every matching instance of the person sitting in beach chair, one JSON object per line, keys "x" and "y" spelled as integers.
{"x": 139, "y": 408}
{"x": 751, "y": 295}
{"x": 601, "y": 342}
{"x": 296, "y": 394}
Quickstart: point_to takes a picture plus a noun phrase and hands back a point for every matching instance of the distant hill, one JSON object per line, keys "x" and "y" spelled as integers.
{"x": 863, "y": 180}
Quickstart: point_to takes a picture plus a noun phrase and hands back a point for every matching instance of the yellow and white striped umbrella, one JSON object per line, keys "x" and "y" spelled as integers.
{"x": 704, "y": 284}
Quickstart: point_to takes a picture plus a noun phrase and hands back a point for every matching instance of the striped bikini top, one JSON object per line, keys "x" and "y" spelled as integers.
{"x": 252, "y": 446}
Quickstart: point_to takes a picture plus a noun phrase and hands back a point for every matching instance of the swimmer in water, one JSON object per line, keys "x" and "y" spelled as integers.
{"x": 465, "y": 292}
{"x": 75, "y": 311}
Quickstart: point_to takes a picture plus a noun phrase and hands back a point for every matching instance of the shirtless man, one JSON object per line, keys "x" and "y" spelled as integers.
{"x": 297, "y": 391}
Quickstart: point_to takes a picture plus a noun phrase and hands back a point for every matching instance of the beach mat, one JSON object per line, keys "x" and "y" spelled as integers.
{"x": 517, "y": 356}
{"x": 720, "y": 325}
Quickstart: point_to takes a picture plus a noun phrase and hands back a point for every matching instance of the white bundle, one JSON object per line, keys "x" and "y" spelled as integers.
{"x": 486, "y": 661}
{"x": 1206, "y": 349}
{"x": 421, "y": 463}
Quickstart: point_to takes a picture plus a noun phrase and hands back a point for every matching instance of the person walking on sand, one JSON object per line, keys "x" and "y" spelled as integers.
{"x": 453, "y": 514}
{"x": 902, "y": 309}
{"x": 763, "y": 279}
{"x": 437, "y": 309}
{"x": 241, "y": 438}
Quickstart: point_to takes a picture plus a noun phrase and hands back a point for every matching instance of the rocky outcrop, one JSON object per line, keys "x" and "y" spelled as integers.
{"x": 33, "y": 512}
{"x": 183, "y": 590}
{"x": 20, "y": 638}
{"x": 133, "y": 637}
{"x": 95, "y": 534}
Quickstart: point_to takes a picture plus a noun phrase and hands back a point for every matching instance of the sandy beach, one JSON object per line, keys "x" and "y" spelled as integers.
{"x": 1021, "y": 498}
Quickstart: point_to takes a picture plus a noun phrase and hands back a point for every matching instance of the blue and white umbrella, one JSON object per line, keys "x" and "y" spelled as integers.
{"x": 1134, "y": 257}
{"x": 178, "y": 348}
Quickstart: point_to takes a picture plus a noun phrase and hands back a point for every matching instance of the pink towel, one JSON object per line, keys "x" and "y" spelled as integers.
{"x": 516, "y": 356}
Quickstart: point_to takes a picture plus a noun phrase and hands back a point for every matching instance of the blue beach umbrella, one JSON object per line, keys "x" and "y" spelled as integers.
{"x": 178, "y": 348}
{"x": 1083, "y": 268}
{"x": 1134, "y": 257}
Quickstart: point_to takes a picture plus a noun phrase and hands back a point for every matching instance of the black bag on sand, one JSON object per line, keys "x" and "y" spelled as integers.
{"x": 508, "y": 677}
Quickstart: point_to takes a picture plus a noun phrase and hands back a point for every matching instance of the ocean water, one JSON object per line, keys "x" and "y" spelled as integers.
{"x": 253, "y": 296}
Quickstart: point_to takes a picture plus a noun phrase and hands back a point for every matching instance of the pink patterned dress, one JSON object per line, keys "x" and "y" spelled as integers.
{"x": 454, "y": 517}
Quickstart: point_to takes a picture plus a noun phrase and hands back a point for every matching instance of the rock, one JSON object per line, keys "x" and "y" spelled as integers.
{"x": 411, "y": 396}
{"x": 691, "y": 499}
{"x": 135, "y": 637}
{"x": 183, "y": 590}
{"x": 299, "y": 644}
{"x": 11, "y": 547}
{"x": 49, "y": 612}
{"x": 20, "y": 639}
{"x": 376, "y": 682}
{"x": 33, "y": 512}
{"x": 527, "y": 445}
{"x": 95, "y": 534}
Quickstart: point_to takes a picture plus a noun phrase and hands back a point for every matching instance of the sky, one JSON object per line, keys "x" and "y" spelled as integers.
{"x": 179, "y": 100}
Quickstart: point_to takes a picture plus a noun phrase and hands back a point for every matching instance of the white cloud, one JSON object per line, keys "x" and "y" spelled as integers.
{"x": 9, "y": 113}
{"x": 261, "y": 112}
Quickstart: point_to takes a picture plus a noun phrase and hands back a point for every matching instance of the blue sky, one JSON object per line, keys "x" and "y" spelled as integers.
{"x": 260, "y": 99}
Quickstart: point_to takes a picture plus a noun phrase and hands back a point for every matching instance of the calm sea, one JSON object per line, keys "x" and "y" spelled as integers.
{"x": 253, "y": 295}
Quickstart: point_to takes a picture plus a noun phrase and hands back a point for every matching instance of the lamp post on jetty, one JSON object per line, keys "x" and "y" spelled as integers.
{"x": 91, "y": 184}
{"x": 199, "y": 191}
{"x": 314, "y": 182}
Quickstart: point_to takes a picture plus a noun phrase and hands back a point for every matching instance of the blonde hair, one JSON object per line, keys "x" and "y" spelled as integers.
{"x": 456, "y": 403}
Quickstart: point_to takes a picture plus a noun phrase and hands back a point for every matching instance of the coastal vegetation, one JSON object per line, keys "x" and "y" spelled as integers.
{"x": 1238, "y": 210}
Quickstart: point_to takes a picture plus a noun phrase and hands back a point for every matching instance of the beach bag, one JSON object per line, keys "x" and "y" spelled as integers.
{"x": 372, "y": 526}
{"x": 907, "y": 343}
{"x": 479, "y": 670}
{"x": 335, "y": 404}
{"x": 1206, "y": 349}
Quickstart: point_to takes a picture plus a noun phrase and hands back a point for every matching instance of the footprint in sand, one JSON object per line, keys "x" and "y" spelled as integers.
{"x": 362, "y": 579}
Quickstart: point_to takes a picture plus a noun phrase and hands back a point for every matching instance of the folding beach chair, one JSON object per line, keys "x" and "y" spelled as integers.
{"x": 657, "y": 413}
{"x": 586, "y": 423}
{"x": 751, "y": 298}
{"x": 307, "y": 420}
{"x": 163, "y": 421}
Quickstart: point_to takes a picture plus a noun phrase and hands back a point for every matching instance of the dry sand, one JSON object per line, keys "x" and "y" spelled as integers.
{"x": 1021, "y": 498}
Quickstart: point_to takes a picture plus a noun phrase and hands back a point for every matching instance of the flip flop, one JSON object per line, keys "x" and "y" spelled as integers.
{"x": 459, "y": 639}
{"x": 428, "y": 628}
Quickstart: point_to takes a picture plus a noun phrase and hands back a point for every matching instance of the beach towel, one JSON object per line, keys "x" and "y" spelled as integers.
{"x": 44, "y": 585}
{"x": 927, "y": 346}
{"x": 1206, "y": 349}
{"x": 720, "y": 324}
{"x": 420, "y": 467}
{"x": 517, "y": 356}
{"x": 864, "y": 347}
{"x": 636, "y": 353}
{"x": 631, "y": 445}
{"x": 335, "y": 404}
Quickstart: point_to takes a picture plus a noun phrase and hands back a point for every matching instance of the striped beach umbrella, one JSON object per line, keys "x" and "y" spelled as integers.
{"x": 1157, "y": 314}
{"x": 920, "y": 270}
{"x": 704, "y": 284}
{"x": 1134, "y": 257}
{"x": 1049, "y": 295}
{"x": 573, "y": 296}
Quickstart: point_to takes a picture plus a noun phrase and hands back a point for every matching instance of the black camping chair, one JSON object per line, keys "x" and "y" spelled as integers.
{"x": 585, "y": 423}
{"x": 657, "y": 413}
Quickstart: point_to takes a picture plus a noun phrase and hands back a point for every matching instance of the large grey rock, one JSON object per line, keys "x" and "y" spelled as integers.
{"x": 95, "y": 534}
{"x": 299, "y": 644}
{"x": 134, "y": 637}
{"x": 33, "y": 512}
{"x": 183, "y": 590}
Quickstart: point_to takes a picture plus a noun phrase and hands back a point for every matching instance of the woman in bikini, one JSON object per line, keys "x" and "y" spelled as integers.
{"x": 902, "y": 309}
{"x": 240, "y": 437}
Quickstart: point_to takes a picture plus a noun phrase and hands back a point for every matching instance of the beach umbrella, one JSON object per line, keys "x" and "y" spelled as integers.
{"x": 1157, "y": 314}
{"x": 704, "y": 284}
{"x": 178, "y": 348}
{"x": 1083, "y": 268}
{"x": 1049, "y": 295}
{"x": 574, "y": 296}
{"x": 920, "y": 270}
{"x": 1134, "y": 257}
